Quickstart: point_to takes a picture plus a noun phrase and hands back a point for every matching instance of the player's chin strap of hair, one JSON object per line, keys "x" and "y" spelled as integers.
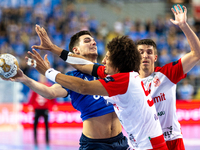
{"x": 65, "y": 55}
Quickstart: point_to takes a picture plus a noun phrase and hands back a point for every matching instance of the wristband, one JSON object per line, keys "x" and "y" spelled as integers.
{"x": 73, "y": 60}
{"x": 64, "y": 55}
{"x": 51, "y": 74}
{"x": 76, "y": 60}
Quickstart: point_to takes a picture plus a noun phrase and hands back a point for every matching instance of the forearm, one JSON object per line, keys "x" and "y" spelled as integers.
{"x": 73, "y": 83}
{"x": 56, "y": 50}
{"x": 39, "y": 88}
{"x": 76, "y": 84}
{"x": 77, "y": 61}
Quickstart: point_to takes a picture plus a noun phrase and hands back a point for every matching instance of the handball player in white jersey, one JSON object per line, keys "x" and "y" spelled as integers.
{"x": 161, "y": 81}
{"x": 123, "y": 88}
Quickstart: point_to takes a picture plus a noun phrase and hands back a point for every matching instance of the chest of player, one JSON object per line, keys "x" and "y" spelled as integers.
{"x": 160, "y": 87}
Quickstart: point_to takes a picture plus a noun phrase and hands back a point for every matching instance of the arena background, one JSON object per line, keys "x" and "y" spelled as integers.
{"x": 105, "y": 19}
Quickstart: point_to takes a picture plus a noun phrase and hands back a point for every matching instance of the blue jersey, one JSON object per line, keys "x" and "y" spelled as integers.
{"x": 89, "y": 105}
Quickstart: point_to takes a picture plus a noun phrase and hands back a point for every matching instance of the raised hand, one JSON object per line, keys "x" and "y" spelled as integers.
{"x": 40, "y": 64}
{"x": 46, "y": 43}
{"x": 180, "y": 15}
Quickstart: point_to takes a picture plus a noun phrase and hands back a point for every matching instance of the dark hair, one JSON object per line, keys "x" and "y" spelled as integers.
{"x": 74, "y": 40}
{"x": 124, "y": 54}
{"x": 147, "y": 42}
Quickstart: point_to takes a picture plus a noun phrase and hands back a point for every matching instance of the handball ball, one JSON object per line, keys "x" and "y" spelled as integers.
{"x": 8, "y": 66}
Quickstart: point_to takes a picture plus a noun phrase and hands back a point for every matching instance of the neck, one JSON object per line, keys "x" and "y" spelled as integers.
{"x": 91, "y": 57}
{"x": 143, "y": 73}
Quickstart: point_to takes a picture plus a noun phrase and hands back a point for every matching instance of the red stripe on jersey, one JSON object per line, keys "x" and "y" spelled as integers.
{"x": 101, "y": 72}
{"x": 117, "y": 86}
{"x": 173, "y": 71}
{"x": 158, "y": 143}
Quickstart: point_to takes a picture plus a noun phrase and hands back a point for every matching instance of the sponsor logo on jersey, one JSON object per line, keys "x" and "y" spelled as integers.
{"x": 156, "y": 81}
{"x": 167, "y": 133}
{"x": 161, "y": 113}
{"x": 159, "y": 98}
{"x": 133, "y": 140}
{"x": 108, "y": 79}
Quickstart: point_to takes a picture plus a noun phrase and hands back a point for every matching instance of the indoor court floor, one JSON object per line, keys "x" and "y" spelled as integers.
{"x": 68, "y": 138}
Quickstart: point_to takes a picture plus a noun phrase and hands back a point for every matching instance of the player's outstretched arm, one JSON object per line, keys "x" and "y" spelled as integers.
{"x": 70, "y": 82}
{"x": 190, "y": 59}
{"x": 52, "y": 92}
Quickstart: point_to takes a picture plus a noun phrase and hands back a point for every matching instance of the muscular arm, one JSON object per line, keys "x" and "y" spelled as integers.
{"x": 190, "y": 59}
{"x": 81, "y": 86}
{"x": 52, "y": 92}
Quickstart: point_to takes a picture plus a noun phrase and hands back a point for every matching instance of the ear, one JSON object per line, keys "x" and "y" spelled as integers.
{"x": 76, "y": 50}
{"x": 156, "y": 58}
{"x": 117, "y": 70}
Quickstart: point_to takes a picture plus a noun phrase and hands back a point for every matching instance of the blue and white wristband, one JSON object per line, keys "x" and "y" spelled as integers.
{"x": 51, "y": 74}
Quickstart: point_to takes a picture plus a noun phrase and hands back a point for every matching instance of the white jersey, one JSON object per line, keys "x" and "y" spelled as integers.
{"x": 162, "y": 87}
{"x": 134, "y": 108}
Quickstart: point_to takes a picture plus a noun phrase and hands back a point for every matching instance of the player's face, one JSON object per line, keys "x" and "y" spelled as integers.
{"x": 87, "y": 46}
{"x": 148, "y": 57}
{"x": 109, "y": 69}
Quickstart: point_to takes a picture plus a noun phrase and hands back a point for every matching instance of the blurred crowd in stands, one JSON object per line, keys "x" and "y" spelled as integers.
{"x": 61, "y": 19}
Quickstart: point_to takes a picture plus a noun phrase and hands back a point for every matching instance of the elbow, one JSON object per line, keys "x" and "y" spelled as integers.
{"x": 50, "y": 95}
{"x": 196, "y": 55}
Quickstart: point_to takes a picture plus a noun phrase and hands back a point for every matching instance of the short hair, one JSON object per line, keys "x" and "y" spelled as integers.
{"x": 124, "y": 55}
{"x": 74, "y": 40}
{"x": 147, "y": 42}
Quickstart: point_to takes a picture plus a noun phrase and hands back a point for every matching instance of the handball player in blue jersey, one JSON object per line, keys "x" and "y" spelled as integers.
{"x": 101, "y": 127}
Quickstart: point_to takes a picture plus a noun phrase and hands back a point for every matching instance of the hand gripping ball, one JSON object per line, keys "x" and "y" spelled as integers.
{"x": 8, "y": 66}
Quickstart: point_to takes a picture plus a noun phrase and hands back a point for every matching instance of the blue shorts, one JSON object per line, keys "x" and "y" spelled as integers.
{"x": 118, "y": 142}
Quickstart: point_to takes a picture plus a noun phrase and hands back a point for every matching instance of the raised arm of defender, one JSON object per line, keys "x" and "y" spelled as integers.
{"x": 190, "y": 59}
{"x": 46, "y": 44}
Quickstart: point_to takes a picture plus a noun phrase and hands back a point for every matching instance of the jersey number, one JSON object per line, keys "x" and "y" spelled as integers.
{"x": 150, "y": 102}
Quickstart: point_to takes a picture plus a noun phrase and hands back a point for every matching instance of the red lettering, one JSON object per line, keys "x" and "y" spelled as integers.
{"x": 159, "y": 98}
{"x": 150, "y": 102}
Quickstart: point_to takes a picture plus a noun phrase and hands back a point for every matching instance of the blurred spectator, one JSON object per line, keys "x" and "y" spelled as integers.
{"x": 164, "y": 58}
{"x": 101, "y": 47}
{"x": 103, "y": 29}
{"x": 185, "y": 91}
{"x": 93, "y": 25}
{"x": 127, "y": 25}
